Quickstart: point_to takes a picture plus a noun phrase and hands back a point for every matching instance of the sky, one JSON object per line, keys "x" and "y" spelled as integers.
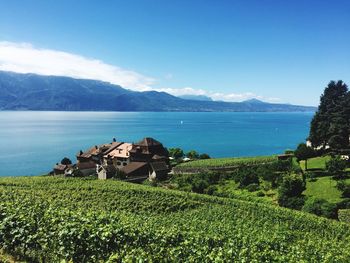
{"x": 276, "y": 51}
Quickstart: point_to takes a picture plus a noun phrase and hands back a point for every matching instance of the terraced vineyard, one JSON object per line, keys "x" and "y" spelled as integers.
{"x": 53, "y": 219}
{"x": 223, "y": 162}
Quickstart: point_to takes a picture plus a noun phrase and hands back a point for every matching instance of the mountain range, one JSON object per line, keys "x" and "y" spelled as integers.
{"x": 37, "y": 92}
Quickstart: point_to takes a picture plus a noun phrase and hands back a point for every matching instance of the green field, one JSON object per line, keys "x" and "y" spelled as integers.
{"x": 315, "y": 163}
{"x": 325, "y": 188}
{"x": 52, "y": 219}
{"x": 222, "y": 162}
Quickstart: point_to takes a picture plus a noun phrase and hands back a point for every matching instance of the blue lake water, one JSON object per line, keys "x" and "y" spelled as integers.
{"x": 32, "y": 142}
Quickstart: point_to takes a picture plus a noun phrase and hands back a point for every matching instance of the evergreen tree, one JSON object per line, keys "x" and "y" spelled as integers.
{"x": 330, "y": 125}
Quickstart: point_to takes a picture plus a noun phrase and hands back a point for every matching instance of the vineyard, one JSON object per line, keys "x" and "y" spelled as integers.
{"x": 223, "y": 162}
{"x": 44, "y": 219}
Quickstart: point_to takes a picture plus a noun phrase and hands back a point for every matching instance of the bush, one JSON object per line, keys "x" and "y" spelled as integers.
{"x": 211, "y": 190}
{"x": 260, "y": 194}
{"x": 246, "y": 176}
{"x": 253, "y": 187}
{"x": 77, "y": 173}
{"x": 292, "y": 186}
{"x": 346, "y": 191}
{"x": 291, "y": 202}
{"x": 197, "y": 182}
{"x": 320, "y": 207}
{"x": 290, "y": 190}
{"x": 192, "y": 154}
{"x": 335, "y": 167}
{"x": 204, "y": 156}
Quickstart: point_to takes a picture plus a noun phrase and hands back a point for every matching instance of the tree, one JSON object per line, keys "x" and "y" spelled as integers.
{"x": 246, "y": 176}
{"x": 192, "y": 154}
{"x": 66, "y": 161}
{"x": 332, "y": 118}
{"x": 335, "y": 167}
{"x": 304, "y": 152}
{"x": 290, "y": 191}
{"x": 176, "y": 153}
{"x": 204, "y": 156}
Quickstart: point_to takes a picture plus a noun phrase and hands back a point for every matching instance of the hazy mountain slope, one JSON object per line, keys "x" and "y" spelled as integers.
{"x": 36, "y": 92}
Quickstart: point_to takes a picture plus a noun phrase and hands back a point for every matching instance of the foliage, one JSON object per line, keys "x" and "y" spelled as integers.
{"x": 330, "y": 124}
{"x": 336, "y": 166}
{"x": 176, "y": 153}
{"x": 290, "y": 191}
{"x": 77, "y": 173}
{"x": 198, "y": 183}
{"x": 192, "y": 154}
{"x": 320, "y": 207}
{"x": 346, "y": 191}
{"x": 344, "y": 215}
{"x": 246, "y": 176}
{"x": 304, "y": 152}
{"x": 66, "y": 161}
{"x": 253, "y": 187}
{"x": 204, "y": 156}
{"x": 46, "y": 219}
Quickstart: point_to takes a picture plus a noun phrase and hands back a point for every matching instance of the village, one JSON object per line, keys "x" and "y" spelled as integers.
{"x": 136, "y": 162}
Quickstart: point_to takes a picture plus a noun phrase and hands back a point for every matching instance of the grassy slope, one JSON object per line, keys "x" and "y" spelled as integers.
{"x": 325, "y": 188}
{"x": 169, "y": 224}
{"x": 315, "y": 163}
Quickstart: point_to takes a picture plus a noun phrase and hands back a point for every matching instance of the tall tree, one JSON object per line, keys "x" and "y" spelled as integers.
{"x": 330, "y": 124}
{"x": 303, "y": 152}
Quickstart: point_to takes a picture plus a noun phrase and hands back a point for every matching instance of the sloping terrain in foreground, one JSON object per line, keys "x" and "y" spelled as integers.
{"x": 50, "y": 219}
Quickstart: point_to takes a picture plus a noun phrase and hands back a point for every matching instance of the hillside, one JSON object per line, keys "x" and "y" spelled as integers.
{"x": 51, "y": 219}
{"x": 36, "y": 92}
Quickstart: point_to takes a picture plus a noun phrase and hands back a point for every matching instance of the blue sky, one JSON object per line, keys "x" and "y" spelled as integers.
{"x": 279, "y": 51}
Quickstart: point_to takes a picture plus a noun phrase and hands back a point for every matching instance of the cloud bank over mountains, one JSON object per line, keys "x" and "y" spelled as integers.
{"x": 25, "y": 58}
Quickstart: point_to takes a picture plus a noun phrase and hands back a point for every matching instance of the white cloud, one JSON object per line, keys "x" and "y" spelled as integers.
{"x": 183, "y": 91}
{"x": 229, "y": 97}
{"x": 24, "y": 58}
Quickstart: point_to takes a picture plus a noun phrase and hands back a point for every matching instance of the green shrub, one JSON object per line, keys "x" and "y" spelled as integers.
{"x": 346, "y": 191}
{"x": 290, "y": 191}
{"x": 246, "y": 176}
{"x": 260, "y": 194}
{"x": 252, "y": 187}
{"x": 335, "y": 167}
{"x": 320, "y": 207}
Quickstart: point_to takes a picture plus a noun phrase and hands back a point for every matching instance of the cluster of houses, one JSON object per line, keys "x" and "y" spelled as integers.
{"x": 135, "y": 161}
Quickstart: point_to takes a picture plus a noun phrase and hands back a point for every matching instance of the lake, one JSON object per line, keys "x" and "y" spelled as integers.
{"x": 32, "y": 142}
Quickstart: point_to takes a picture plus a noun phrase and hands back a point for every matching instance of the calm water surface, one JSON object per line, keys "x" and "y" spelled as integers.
{"x": 32, "y": 142}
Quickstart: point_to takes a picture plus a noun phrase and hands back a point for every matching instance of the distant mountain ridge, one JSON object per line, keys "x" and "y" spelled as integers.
{"x": 36, "y": 92}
